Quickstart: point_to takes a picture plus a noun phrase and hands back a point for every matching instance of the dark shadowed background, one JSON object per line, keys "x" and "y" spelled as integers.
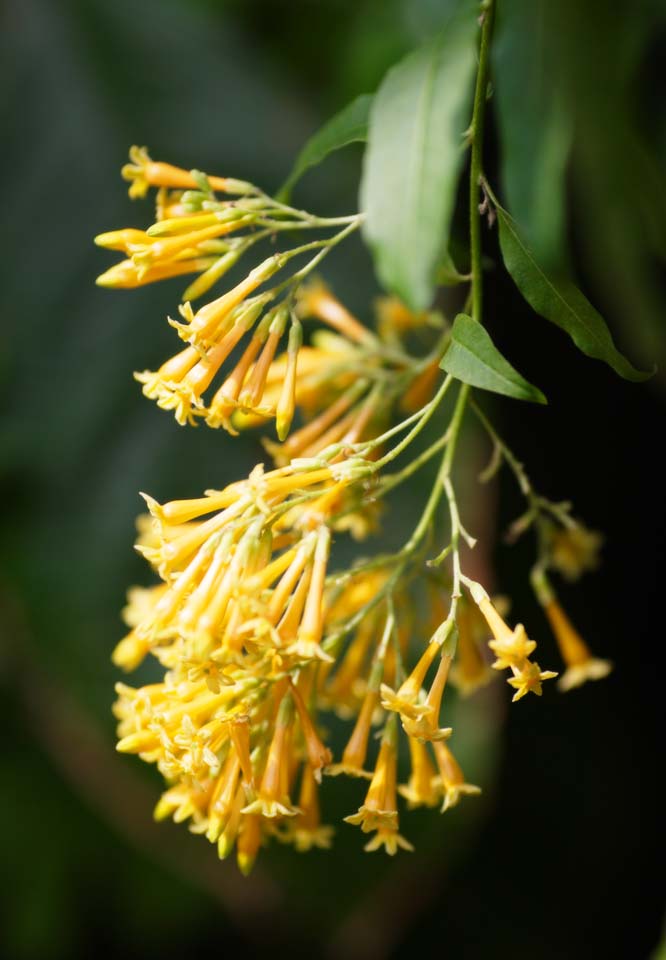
{"x": 564, "y": 855}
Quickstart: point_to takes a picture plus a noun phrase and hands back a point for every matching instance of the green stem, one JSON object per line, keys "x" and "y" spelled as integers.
{"x": 476, "y": 170}
{"x": 424, "y": 416}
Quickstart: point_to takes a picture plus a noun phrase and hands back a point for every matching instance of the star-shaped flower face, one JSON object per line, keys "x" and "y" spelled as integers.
{"x": 513, "y": 651}
{"x": 406, "y": 705}
{"x": 425, "y": 728}
{"x": 368, "y": 818}
{"x": 528, "y": 679}
{"x": 454, "y": 791}
{"x": 390, "y": 840}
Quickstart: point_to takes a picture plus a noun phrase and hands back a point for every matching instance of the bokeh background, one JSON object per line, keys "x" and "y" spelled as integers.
{"x": 563, "y": 857}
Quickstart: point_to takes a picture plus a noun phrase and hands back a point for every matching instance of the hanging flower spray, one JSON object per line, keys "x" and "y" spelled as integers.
{"x": 257, "y": 632}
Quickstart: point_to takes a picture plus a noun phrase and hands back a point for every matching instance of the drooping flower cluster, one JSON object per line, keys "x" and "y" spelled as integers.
{"x": 255, "y": 635}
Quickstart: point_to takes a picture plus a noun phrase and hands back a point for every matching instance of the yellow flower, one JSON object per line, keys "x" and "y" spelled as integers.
{"x": 390, "y": 840}
{"x": 355, "y": 752}
{"x": 345, "y": 689}
{"x": 222, "y": 799}
{"x": 141, "y": 603}
{"x": 421, "y": 389}
{"x": 273, "y": 793}
{"x": 405, "y": 700}
{"x": 306, "y": 646}
{"x": 581, "y": 665}
{"x": 511, "y": 647}
{"x": 452, "y": 780}
{"x": 574, "y": 550}
{"x": 305, "y": 830}
{"x": 527, "y": 679}
{"x": 379, "y": 809}
{"x": 394, "y": 318}
{"x": 143, "y": 173}
{"x": 316, "y": 300}
{"x": 470, "y": 670}
{"x": 249, "y": 842}
{"x": 425, "y": 725}
{"x": 319, "y": 756}
{"x": 421, "y": 790}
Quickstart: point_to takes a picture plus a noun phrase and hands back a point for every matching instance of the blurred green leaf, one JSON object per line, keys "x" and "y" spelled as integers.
{"x": 560, "y": 301}
{"x": 350, "y": 125}
{"x": 448, "y": 274}
{"x": 412, "y": 163}
{"x": 473, "y": 358}
{"x": 535, "y": 139}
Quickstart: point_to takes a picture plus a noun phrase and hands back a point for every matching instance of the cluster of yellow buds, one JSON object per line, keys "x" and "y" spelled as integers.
{"x": 254, "y": 634}
{"x": 234, "y": 339}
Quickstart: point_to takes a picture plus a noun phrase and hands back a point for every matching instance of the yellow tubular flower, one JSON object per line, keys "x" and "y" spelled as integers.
{"x": 470, "y": 670}
{"x": 305, "y": 439}
{"x": 121, "y": 239}
{"x": 405, "y": 700}
{"x": 421, "y": 389}
{"x": 239, "y": 731}
{"x": 379, "y": 811}
{"x": 223, "y": 796}
{"x": 287, "y": 403}
{"x": 126, "y": 275}
{"x": 227, "y": 838}
{"x": 574, "y": 550}
{"x": 318, "y": 755}
{"x": 394, "y": 318}
{"x": 180, "y": 802}
{"x": 355, "y": 752}
{"x": 316, "y": 300}
{"x": 272, "y": 797}
{"x": 143, "y": 173}
{"x": 421, "y": 789}
{"x": 204, "y": 323}
{"x": 581, "y": 665}
{"x": 426, "y": 726}
{"x": 160, "y": 251}
{"x": 452, "y": 780}
{"x": 305, "y": 830}
{"x": 512, "y": 647}
{"x": 345, "y": 689}
{"x": 249, "y": 842}
{"x": 306, "y": 645}
{"x": 379, "y": 808}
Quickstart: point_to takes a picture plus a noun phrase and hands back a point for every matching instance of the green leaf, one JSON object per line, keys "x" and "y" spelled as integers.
{"x": 473, "y": 358}
{"x": 560, "y": 301}
{"x": 415, "y": 150}
{"x": 448, "y": 274}
{"x": 350, "y": 125}
{"x": 535, "y": 140}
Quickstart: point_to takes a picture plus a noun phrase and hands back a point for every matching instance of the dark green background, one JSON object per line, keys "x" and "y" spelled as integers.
{"x": 557, "y": 861}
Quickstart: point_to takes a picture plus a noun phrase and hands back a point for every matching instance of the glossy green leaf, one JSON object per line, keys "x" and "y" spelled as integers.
{"x": 473, "y": 358}
{"x": 350, "y": 125}
{"x": 414, "y": 155}
{"x": 560, "y": 301}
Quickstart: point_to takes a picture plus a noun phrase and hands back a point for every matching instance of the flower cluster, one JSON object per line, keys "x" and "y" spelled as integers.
{"x": 255, "y": 635}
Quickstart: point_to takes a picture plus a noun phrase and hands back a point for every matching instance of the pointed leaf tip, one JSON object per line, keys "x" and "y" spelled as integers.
{"x": 473, "y": 358}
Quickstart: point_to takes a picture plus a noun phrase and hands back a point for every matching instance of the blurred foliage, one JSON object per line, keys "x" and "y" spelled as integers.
{"x": 231, "y": 87}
